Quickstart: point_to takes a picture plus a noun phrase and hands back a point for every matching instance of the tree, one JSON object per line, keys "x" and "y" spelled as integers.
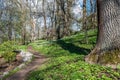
{"x": 92, "y": 18}
{"x": 44, "y": 17}
{"x": 85, "y": 21}
{"x": 107, "y": 49}
{"x": 11, "y": 19}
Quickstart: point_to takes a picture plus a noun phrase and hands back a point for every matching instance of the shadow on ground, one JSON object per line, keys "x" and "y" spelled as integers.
{"x": 73, "y": 48}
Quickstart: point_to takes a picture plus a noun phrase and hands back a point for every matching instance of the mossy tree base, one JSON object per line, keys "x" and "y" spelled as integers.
{"x": 105, "y": 58}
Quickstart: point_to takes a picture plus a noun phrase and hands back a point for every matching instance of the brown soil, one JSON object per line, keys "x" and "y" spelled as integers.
{"x": 37, "y": 62}
{"x": 6, "y": 67}
{"x": 9, "y": 66}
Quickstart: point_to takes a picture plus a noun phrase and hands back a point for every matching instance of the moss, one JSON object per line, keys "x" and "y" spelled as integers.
{"x": 92, "y": 58}
{"x": 108, "y": 58}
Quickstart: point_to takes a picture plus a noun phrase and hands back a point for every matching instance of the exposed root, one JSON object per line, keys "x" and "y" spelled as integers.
{"x": 106, "y": 58}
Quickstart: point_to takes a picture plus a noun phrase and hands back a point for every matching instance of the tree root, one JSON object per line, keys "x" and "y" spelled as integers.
{"x": 105, "y": 58}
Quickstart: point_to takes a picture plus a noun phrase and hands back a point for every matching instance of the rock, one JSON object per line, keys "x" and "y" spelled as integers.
{"x": 19, "y": 58}
{"x": 2, "y": 61}
{"x": 5, "y": 65}
{"x": 27, "y": 56}
{"x": 20, "y": 66}
{"x": 0, "y": 56}
{"x": 5, "y": 73}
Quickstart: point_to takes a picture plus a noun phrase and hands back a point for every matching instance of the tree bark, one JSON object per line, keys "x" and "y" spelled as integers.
{"x": 44, "y": 17}
{"x": 84, "y": 21}
{"x": 107, "y": 49}
{"x": 9, "y": 30}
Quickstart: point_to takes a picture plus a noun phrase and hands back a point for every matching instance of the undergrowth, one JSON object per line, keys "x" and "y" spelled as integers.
{"x": 67, "y": 60}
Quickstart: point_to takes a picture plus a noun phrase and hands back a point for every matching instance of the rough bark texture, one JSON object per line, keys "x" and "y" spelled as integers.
{"x": 84, "y": 21}
{"x": 44, "y": 17}
{"x": 107, "y": 50}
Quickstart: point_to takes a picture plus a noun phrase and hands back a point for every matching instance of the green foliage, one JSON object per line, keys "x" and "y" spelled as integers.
{"x": 6, "y": 50}
{"x": 22, "y": 47}
{"x": 9, "y": 56}
{"x": 8, "y": 46}
{"x": 67, "y": 60}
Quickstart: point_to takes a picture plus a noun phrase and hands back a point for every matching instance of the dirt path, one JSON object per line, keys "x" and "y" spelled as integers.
{"x": 38, "y": 60}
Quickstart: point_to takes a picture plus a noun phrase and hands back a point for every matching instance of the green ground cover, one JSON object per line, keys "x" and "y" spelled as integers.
{"x": 67, "y": 60}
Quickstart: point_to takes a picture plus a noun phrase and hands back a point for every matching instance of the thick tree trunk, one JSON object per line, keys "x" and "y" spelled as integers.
{"x": 107, "y": 50}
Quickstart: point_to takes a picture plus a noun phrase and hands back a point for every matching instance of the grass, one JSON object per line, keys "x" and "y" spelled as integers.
{"x": 22, "y": 47}
{"x": 67, "y": 60}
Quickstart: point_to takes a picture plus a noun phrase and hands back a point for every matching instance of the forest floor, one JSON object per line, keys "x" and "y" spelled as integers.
{"x": 64, "y": 60}
{"x": 37, "y": 61}
{"x": 67, "y": 60}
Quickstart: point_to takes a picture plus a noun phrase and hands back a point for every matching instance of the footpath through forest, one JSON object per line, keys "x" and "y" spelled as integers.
{"x": 37, "y": 62}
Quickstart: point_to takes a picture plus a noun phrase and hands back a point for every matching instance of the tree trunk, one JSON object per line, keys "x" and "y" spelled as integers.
{"x": 84, "y": 21}
{"x": 44, "y": 17}
{"x": 107, "y": 50}
{"x": 9, "y": 32}
{"x": 24, "y": 36}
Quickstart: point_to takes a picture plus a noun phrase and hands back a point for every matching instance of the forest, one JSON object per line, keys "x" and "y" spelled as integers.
{"x": 59, "y": 40}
